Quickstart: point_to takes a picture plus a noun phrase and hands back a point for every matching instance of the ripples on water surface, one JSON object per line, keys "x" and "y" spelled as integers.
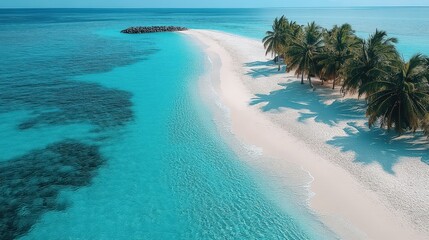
{"x": 103, "y": 135}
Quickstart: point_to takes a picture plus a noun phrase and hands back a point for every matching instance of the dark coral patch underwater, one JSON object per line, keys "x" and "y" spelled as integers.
{"x": 67, "y": 102}
{"x": 30, "y": 184}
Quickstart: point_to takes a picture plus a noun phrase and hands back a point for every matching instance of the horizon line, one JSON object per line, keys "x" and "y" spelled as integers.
{"x": 338, "y": 7}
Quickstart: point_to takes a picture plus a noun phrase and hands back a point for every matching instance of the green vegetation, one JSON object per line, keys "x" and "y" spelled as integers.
{"x": 274, "y": 41}
{"x": 301, "y": 52}
{"x": 396, "y": 91}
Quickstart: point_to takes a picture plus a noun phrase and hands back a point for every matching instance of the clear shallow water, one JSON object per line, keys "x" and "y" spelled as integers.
{"x": 166, "y": 175}
{"x": 104, "y": 135}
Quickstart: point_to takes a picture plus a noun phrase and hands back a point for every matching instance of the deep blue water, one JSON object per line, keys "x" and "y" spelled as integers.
{"x": 104, "y": 135}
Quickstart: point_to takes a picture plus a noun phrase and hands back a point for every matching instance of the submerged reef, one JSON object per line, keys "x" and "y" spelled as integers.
{"x": 30, "y": 184}
{"x": 153, "y": 29}
{"x": 64, "y": 102}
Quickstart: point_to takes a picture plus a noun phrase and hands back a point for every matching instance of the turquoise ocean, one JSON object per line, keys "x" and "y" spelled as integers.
{"x": 106, "y": 135}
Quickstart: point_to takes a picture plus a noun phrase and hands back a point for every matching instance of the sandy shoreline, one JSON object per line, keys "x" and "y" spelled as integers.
{"x": 357, "y": 200}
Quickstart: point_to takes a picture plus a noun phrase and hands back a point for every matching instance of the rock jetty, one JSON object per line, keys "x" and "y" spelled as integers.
{"x": 153, "y": 29}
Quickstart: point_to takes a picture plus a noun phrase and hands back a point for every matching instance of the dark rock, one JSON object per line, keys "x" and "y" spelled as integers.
{"x": 153, "y": 29}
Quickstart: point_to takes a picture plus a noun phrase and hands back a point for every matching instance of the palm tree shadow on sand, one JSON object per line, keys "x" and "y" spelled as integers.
{"x": 369, "y": 145}
{"x": 310, "y": 105}
{"x": 379, "y": 146}
{"x": 259, "y": 69}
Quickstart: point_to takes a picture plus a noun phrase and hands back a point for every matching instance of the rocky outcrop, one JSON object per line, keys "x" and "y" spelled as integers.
{"x": 152, "y": 29}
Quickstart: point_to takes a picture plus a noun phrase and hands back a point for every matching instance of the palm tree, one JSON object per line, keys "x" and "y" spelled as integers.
{"x": 425, "y": 120}
{"x": 301, "y": 54}
{"x": 402, "y": 98}
{"x": 376, "y": 58}
{"x": 425, "y": 124}
{"x": 340, "y": 46}
{"x": 294, "y": 31}
{"x": 275, "y": 39}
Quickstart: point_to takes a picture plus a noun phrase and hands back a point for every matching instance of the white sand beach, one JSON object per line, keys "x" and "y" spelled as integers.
{"x": 365, "y": 186}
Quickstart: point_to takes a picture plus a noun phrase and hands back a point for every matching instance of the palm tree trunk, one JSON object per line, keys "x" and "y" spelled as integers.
{"x": 302, "y": 78}
{"x": 278, "y": 61}
{"x": 309, "y": 80}
{"x": 284, "y": 61}
{"x": 333, "y": 82}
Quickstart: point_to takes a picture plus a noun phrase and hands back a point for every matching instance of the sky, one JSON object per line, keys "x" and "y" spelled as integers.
{"x": 204, "y": 4}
